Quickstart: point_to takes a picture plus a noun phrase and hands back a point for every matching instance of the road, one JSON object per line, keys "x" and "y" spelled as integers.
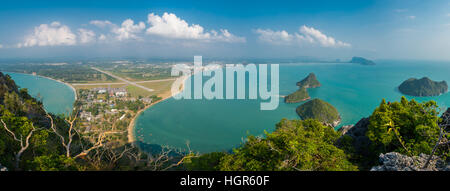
{"x": 124, "y": 80}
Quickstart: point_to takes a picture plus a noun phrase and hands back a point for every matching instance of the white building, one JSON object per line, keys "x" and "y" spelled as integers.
{"x": 121, "y": 94}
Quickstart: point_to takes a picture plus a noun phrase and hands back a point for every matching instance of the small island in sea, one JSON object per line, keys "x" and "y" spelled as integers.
{"x": 309, "y": 82}
{"x": 298, "y": 96}
{"x": 423, "y": 87}
{"x": 320, "y": 110}
{"x": 362, "y": 61}
{"x": 302, "y": 94}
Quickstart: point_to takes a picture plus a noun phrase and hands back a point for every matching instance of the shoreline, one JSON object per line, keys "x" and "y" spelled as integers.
{"x": 67, "y": 84}
{"x": 131, "y": 127}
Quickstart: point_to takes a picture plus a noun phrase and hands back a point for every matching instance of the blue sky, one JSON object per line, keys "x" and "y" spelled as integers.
{"x": 381, "y": 29}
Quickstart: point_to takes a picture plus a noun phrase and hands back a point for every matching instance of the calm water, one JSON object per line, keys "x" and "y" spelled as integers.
{"x": 219, "y": 125}
{"x": 58, "y": 98}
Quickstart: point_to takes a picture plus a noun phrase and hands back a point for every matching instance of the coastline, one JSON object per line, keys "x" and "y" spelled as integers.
{"x": 67, "y": 84}
{"x": 131, "y": 127}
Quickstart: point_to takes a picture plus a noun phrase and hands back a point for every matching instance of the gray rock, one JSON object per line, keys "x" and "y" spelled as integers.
{"x": 344, "y": 129}
{"x": 334, "y": 123}
{"x": 358, "y": 133}
{"x": 394, "y": 161}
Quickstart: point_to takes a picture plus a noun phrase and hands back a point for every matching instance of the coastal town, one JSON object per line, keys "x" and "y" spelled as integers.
{"x": 109, "y": 109}
{"x": 110, "y": 95}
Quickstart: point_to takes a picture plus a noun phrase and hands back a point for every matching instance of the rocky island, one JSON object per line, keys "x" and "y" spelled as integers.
{"x": 298, "y": 96}
{"x": 362, "y": 61}
{"x": 320, "y": 110}
{"x": 302, "y": 94}
{"x": 309, "y": 82}
{"x": 423, "y": 87}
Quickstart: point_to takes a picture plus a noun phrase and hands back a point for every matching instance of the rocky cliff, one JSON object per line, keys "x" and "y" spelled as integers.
{"x": 397, "y": 162}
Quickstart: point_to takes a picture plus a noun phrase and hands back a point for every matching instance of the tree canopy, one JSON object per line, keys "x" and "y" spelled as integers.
{"x": 407, "y": 127}
{"x": 294, "y": 145}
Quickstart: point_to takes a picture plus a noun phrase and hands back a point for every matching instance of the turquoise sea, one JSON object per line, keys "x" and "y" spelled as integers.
{"x": 58, "y": 98}
{"x": 220, "y": 125}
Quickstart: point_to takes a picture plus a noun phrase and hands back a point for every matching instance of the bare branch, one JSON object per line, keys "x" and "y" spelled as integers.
{"x": 23, "y": 144}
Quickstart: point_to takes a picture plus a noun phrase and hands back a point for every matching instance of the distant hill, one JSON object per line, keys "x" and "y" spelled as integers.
{"x": 309, "y": 82}
{"x": 362, "y": 61}
{"x": 298, "y": 96}
{"x": 423, "y": 87}
{"x": 18, "y": 101}
{"x": 320, "y": 110}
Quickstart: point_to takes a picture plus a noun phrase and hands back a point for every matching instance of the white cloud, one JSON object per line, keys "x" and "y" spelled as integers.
{"x": 102, "y": 37}
{"x": 50, "y": 35}
{"x": 170, "y": 26}
{"x": 306, "y": 35}
{"x": 167, "y": 26}
{"x": 274, "y": 37}
{"x": 226, "y": 36}
{"x": 128, "y": 30}
{"x": 411, "y": 17}
{"x": 99, "y": 23}
{"x": 312, "y": 35}
{"x": 86, "y": 36}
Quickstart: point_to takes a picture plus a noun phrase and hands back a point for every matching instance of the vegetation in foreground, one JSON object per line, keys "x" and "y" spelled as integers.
{"x": 294, "y": 145}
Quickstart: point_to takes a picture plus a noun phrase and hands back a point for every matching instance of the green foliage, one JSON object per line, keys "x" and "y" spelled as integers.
{"x": 131, "y": 105}
{"x": 318, "y": 109}
{"x": 54, "y": 163}
{"x": 21, "y": 127}
{"x": 407, "y": 127}
{"x": 205, "y": 162}
{"x": 297, "y": 96}
{"x": 6, "y": 85}
{"x": 294, "y": 145}
{"x": 155, "y": 98}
